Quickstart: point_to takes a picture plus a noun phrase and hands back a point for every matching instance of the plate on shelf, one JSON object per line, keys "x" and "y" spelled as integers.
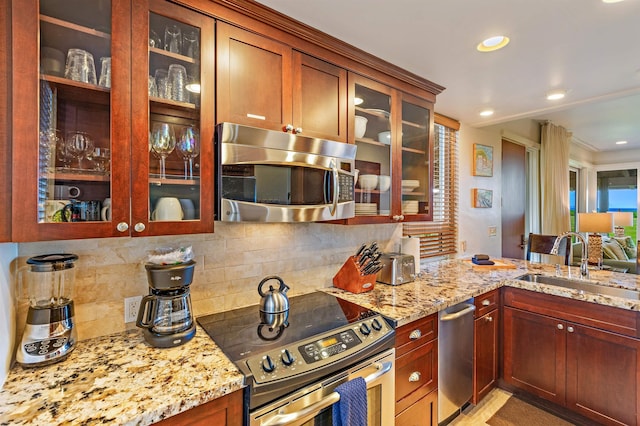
{"x": 378, "y": 111}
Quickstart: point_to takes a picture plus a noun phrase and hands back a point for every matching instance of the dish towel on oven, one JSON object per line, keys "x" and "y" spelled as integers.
{"x": 351, "y": 410}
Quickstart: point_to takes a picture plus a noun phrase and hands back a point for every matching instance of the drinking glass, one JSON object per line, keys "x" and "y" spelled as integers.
{"x": 100, "y": 157}
{"x": 163, "y": 84}
{"x": 79, "y": 144}
{"x": 177, "y": 76}
{"x": 80, "y": 66}
{"x": 189, "y": 148}
{"x": 63, "y": 155}
{"x": 163, "y": 141}
{"x": 191, "y": 44}
{"x": 153, "y": 88}
{"x": 173, "y": 39}
{"x": 105, "y": 72}
{"x": 154, "y": 39}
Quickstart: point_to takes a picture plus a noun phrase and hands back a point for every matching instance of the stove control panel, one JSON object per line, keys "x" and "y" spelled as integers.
{"x": 317, "y": 351}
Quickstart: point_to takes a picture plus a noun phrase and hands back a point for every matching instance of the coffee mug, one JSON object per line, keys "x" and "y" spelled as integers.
{"x": 63, "y": 192}
{"x": 188, "y": 208}
{"x": 51, "y": 207}
{"x": 105, "y": 213}
{"x": 168, "y": 209}
{"x": 81, "y": 211}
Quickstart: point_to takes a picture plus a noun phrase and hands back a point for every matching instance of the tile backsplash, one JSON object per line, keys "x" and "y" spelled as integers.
{"x": 230, "y": 264}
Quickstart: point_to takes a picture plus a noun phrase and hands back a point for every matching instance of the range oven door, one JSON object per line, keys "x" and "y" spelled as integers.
{"x": 313, "y": 405}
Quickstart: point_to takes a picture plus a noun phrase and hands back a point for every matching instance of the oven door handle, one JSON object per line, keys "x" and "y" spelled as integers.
{"x": 336, "y": 188}
{"x": 332, "y": 398}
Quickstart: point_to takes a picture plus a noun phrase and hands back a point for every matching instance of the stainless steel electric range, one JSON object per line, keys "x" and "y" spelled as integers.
{"x": 293, "y": 361}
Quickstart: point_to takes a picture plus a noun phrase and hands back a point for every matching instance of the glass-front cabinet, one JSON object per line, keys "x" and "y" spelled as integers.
{"x": 99, "y": 147}
{"x": 173, "y": 98}
{"x": 392, "y": 132}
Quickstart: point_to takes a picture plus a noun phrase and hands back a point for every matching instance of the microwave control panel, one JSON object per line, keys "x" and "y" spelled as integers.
{"x": 346, "y": 185}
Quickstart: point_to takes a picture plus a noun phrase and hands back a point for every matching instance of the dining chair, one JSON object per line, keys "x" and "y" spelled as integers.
{"x": 542, "y": 244}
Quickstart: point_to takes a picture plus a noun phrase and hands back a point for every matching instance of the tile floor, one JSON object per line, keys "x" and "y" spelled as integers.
{"x": 479, "y": 414}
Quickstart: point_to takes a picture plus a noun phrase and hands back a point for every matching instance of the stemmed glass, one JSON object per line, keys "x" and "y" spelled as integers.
{"x": 189, "y": 148}
{"x": 79, "y": 144}
{"x": 163, "y": 141}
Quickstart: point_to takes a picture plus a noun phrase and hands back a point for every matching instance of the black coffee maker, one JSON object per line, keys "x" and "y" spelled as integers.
{"x": 165, "y": 314}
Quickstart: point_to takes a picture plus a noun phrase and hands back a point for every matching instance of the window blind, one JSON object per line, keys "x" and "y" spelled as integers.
{"x": 439, "y": 237}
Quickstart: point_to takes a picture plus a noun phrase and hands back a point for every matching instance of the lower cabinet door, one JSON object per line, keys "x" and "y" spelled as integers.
{"x": 485, "y": 354}
{"x": 416, "y": 374}
{"x": 603, "y": 373}
{"x": 423, "y": 413}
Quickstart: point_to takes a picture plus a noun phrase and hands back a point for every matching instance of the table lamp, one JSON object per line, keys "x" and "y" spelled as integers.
{"x": 620, "y": 220}
{"x": 594, "y": 224}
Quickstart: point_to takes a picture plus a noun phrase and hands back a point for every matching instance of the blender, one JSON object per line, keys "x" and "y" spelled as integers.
{"x": 49, "y": 335}
{"x": 165, "y": 313}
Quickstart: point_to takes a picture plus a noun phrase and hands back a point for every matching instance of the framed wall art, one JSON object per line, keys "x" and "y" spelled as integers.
{"x": 482, "y": 160}
{"x": 482, "y": 198}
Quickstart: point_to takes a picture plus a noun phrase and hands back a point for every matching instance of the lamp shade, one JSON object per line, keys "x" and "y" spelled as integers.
{"x": 595, "y": 222}
{"x": 622, "y": 218}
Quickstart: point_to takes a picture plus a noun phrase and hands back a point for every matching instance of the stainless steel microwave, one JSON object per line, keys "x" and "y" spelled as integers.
{"x": 268, "y": 176}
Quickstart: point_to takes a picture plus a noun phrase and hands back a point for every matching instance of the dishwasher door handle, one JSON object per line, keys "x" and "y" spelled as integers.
{"x": 467, "y": 310}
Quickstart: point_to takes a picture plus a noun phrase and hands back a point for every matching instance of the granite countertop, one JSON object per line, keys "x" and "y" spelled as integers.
{"x": 445, "y": 283}
{"x": 119, "y": 379}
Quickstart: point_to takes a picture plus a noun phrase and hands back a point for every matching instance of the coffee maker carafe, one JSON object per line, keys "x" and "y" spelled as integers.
{"x": 49, "y": 335}
{"x": 165, "y": 314}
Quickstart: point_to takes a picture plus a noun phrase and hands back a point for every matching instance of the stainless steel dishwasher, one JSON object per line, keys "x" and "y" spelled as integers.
{"x": 455, "y": 359}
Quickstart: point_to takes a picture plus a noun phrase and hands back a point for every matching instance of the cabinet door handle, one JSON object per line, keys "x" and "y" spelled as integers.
{"x": 489, "y": 319}
{"x": 288, "y": 128}
{"x": 415, "y": 376}
{"x": 560, "y": 327}
{"x": 139, "y": 227}
{"x": 415, "y": 335}
{"x": 298, "y": 130}
{"x": 570, "y": 329}
{"x": 486, "y": 302}
{"x": 122, "y": 226}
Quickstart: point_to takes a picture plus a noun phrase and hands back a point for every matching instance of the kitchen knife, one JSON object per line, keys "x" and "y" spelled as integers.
{"x": 361, "y": 249}
{"x": 365, "y": 255}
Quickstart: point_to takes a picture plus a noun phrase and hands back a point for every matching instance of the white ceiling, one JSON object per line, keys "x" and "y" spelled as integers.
{"x": 587, "y": 47}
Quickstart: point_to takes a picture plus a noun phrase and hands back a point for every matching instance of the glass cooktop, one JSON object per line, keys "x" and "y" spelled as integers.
{"x": 246, "y": 332}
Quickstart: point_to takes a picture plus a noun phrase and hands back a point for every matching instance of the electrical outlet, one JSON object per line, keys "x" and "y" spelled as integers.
{"x": 493, "y": 231}
{"x": 131, "y": 308}
{"x": 463, "y": 246}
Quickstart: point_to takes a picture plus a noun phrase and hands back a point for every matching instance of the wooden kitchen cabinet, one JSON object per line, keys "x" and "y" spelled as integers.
{"x": 5, "y": 146}
{"x": 394, "y": 135}
{"x": 265, "y": 83}
{"x": 76, "y": 139}
{"x": 584, "y": 357}
{"x": 485, "y": 344}
{"x": 223, "y": 411}
{"x": 417, "y": 371}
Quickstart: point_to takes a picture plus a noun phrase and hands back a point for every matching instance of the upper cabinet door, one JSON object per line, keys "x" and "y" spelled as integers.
{"x": 173, "y": 99}
{"x": 254, "y": 79}
{"x": 265, "y": 83}
{"x": 71, "y": 118}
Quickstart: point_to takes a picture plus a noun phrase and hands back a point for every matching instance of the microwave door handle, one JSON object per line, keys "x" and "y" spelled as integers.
{"x": 332, "y": 398}
{"x": 336, "y": 189}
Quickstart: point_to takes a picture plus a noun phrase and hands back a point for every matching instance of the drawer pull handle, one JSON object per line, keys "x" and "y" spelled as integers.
{"x": 415, "y": 335}
{"x": 570, "y": 329}
{"x": 486, "y": 302}
{"x": 415, "y": 376}
{"x": 560, "y": 327}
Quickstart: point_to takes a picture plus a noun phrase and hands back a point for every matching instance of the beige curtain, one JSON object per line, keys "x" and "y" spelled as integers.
{"x": 554, "y": 179}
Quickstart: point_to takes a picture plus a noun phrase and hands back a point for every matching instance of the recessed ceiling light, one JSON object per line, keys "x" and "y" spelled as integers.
{"x": 357, "y": 101}
{"x": 621, "y": 143}
{"x": 554, "y": 95}
{"x": 611, "y": 1}
{"x": 493, "y": 43}
{"x": 486, "y": 112}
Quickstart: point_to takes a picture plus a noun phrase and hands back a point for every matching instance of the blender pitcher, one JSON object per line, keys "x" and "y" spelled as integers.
{"x": 49, "y": 335}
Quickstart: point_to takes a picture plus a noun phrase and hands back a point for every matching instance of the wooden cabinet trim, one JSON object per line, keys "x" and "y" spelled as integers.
{"x": 599, "y": 316}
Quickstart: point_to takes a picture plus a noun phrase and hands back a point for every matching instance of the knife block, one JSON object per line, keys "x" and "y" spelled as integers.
{"x": 348, "y": 278}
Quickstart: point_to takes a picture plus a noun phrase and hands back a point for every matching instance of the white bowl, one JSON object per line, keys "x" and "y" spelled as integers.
{"x": 385, "y": 137}
{"x": 368, "y": 182}
{"x": 361, "y": 126}
{"x": 384, "y": 183}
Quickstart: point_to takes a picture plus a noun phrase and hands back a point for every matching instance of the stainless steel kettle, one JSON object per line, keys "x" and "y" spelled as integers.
{"x": 274, "y": 300}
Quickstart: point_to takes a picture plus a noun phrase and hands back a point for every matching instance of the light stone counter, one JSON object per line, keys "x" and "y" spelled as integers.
{"x": 445, "y": 283}
{"x": 119, "y": 379}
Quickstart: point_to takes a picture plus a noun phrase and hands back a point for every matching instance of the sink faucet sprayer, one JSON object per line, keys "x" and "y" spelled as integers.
{"x": 584, "y": 271}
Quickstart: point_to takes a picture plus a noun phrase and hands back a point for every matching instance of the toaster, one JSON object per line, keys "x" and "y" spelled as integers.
{"x": 398, "y": 268}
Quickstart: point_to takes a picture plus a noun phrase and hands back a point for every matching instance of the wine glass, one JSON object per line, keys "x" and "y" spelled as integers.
{"x": 163, "y": 141}
{"x": 79, "y": 144}
{"x": 189, "y": 148}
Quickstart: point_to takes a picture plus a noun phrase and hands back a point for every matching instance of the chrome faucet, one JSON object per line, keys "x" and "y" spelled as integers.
{"x": 584, "y": 271}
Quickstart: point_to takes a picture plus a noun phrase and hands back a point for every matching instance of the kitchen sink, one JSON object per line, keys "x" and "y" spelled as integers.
{"x": 581, "y": 286}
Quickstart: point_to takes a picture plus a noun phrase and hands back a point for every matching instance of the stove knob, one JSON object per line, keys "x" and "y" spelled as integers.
{"x": 287, "y": 358}
{"x": 364, "y": 329}
{"x": 376, "y": 325}
{"x": 267, "y": 364}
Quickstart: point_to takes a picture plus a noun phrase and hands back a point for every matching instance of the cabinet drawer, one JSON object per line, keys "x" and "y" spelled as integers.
{"x": 422, "y": 413}
{"x": 416, "y": 374}
{"x": 415, "y": 334}
{"x": 487, "y": 302}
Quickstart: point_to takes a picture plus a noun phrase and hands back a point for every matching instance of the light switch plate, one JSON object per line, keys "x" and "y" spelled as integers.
{"x": 493, "y": 231}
